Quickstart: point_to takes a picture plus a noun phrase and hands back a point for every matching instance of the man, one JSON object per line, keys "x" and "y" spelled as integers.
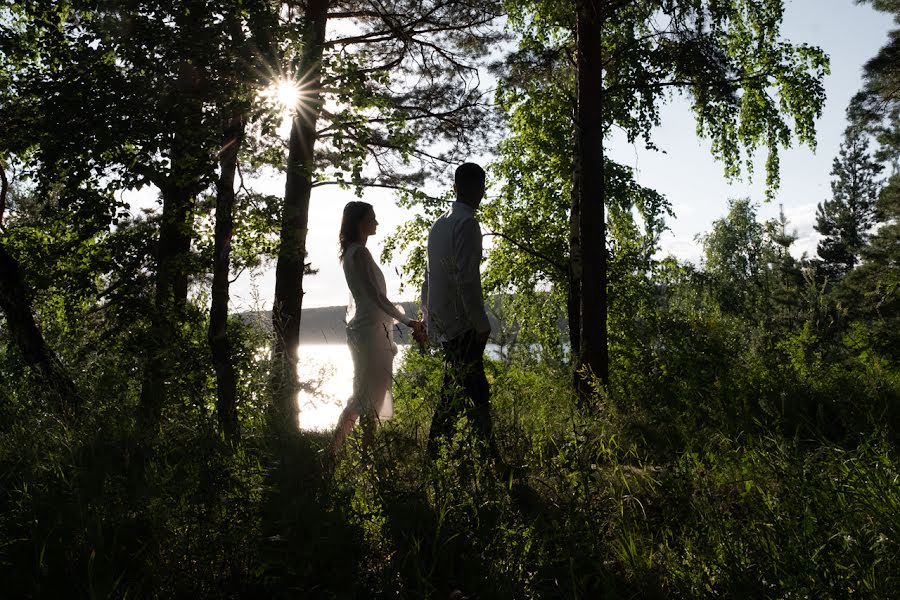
{"x": 453, "y": 302}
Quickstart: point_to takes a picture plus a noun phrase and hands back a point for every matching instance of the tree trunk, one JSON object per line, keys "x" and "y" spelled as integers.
{"x": 573, "y": 305}
{"x": 294, "y": 221}
{"x": 16, "y": 305}
{"x": 594, "y": 355}
{"x": 189, "y": 164}
{"x": 219, "y": 341}
{"x": 172, "y": 258}
{"x": 574, "y": 298}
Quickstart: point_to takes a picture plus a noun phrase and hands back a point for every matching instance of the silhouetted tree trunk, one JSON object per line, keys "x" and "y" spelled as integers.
{"x": 574, "y": 299}
{"x": 15, "y": 302}
{"x": 294, "y": 221}
{"x": 190, "y": 163}
{"x": 172, "y": 274}
{"x": 259, "y": 47}
{"x": 172, "y": 258}
{"x": 219, "y": 341}
{"x": 594, "y": 353}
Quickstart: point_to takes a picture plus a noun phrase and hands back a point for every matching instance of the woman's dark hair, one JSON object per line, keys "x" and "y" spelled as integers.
{"x": 354, "y": 213}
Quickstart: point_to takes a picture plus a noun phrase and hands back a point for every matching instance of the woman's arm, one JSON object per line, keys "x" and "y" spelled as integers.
{"x": 365, "y": 266}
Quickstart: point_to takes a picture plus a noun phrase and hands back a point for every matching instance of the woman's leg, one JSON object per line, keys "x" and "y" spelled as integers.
{"x": 368, "y": 425}
{"x": 351, "y": 412}
{"x": 344, "y": 427}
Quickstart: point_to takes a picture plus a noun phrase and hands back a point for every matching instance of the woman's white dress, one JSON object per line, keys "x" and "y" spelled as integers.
{"x": 370, "y": 322}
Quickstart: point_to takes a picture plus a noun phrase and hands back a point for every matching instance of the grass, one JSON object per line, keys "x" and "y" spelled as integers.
{"x": 617, "y": 502}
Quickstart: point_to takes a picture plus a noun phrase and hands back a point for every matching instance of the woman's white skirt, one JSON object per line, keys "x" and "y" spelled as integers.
{"x": 372, "y": 349}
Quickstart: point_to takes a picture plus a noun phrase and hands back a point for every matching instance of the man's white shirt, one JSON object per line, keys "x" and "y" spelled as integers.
{"x": 451, "y": 296}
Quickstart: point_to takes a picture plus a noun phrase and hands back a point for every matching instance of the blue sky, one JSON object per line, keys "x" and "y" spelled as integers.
{"x": 684, "y": 171}
{"x": 694, "y": 183}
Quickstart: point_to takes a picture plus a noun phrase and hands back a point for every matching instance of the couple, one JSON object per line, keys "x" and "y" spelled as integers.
{"x": 454, "y": 317}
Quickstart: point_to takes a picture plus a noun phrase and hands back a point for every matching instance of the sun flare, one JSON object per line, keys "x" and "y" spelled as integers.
{"x": 283, "y": 95}
{"x": 288, "y": 93}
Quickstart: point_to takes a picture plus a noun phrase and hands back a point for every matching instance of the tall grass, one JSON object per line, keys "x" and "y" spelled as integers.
{"x": 691, "y": 485}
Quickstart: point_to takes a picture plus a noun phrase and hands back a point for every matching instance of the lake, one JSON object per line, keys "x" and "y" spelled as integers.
{"x": 326, "y": 371}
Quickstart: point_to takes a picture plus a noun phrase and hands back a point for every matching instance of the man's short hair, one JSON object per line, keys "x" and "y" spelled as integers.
{"x": 469, "y": 180}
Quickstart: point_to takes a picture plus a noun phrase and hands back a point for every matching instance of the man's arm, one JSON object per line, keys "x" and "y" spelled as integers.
{"x": 468, "y": 257}
{"x": 420, "y": 334}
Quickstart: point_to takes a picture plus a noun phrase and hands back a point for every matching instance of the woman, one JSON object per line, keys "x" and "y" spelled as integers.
{"x": 371, "y": 318}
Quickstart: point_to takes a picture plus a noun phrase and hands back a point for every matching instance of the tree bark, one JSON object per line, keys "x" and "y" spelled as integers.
{"x": 15, "y": 302}
{"x": 574, "y": 298}
{"x": 190, "y": 162}
{"x": 219, "y": 341}
{"x": 294, "y": 221}
{"x": 172, "y": 258}
{"x": 594, "y": 354}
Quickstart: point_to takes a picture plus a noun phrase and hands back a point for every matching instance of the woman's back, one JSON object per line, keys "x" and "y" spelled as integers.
{"x": 369, "y": 305}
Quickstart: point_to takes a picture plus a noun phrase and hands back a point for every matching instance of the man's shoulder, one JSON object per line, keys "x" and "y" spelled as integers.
{"x": 449, "y": 224}
{"x": 457, "y": 218}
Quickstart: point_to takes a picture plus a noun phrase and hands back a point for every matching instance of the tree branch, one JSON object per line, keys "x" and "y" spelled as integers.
{"x": 389, "y": 186}
{"x": 354, "y": 14}
{"x": 528, "y": 250}
{"x": 679, "y": 83}
{"x": 423, "y": 113}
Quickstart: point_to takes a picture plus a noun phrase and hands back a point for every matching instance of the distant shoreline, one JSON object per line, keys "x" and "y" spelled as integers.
{"x": 327, "y": 325}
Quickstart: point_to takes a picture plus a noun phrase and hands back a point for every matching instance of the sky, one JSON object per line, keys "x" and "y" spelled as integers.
{"x": 684, "y": 171}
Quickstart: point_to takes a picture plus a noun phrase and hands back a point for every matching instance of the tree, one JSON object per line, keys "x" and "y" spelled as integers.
{"x": 148, "y": 84}
{"x": 528, "y": 217}
{"x": 734, "y": 252}
{"x": 874, "y": 286}
{"x": 15, "y": 302}
{"x": 624, "y": 56}
{"x": 787, "y": 277}
{"x": 219, "y": 341}
{"x": 750, "y": 274}
{"x": 253, "y": 49}
{"x": 844, "y": 220}
{"x": 877, "y": 105}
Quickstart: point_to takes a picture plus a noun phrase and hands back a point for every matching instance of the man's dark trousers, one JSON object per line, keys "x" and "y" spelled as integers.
{"x": 464, "y": 391}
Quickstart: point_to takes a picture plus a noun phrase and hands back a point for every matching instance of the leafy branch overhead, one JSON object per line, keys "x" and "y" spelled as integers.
{"x": 744, "y": 82}
{"x": 401, "y": 88}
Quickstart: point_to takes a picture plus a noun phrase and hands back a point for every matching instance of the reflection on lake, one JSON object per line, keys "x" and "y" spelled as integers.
{"x": 326, "y": 378}
{"x": 326, "y": 374}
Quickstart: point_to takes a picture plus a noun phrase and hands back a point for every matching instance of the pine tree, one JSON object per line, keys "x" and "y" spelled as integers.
{"x": 786, "y": 275}
{"x": 844, "y": 221}
{"x": 873, "y": 289}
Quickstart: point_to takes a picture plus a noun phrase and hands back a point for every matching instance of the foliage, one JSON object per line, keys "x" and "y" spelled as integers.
{"x": 681, "y": 494}
{"x": 745, "y": 444}
{"x": 871, "y": 292}
{"x": 844, "y": 220}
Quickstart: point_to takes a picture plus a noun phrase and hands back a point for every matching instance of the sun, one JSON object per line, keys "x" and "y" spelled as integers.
{"x": 283, "y": 95}
{"x": 287, "y": 94}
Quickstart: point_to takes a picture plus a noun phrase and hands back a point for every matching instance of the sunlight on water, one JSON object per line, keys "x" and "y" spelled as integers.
{"x": 326, "y": 373}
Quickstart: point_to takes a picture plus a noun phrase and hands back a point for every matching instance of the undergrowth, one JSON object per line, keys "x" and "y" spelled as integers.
{"x": 627, "y": 497}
